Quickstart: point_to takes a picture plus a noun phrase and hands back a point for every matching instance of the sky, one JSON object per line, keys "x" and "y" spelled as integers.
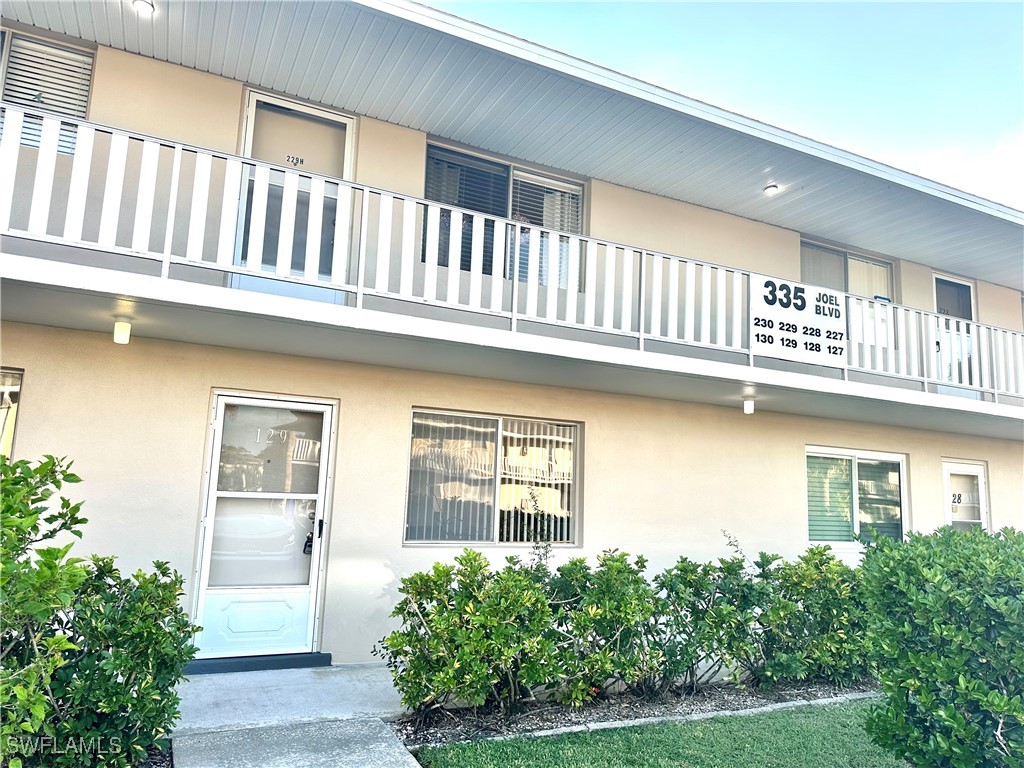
{"x": 936, "y": 89}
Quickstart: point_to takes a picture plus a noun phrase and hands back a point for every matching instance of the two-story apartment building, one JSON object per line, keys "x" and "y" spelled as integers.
{"x": 316, "y": 294}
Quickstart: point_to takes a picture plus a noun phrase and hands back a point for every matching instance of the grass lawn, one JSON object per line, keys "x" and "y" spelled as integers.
{"x": 810, "y": 737}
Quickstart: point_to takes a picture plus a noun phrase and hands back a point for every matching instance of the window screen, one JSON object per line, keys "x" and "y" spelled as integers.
{"x": 480, "y": 478}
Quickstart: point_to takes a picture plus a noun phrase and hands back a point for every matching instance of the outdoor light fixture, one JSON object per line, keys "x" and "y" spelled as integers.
{"x": 144, "y": 7}
{"x": 748, "y": 405}
{"x": 122, "y": 329}
{"x": 771, "y": 189}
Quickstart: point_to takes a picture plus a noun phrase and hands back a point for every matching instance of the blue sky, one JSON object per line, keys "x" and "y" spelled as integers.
{"x": 932, "y": 88}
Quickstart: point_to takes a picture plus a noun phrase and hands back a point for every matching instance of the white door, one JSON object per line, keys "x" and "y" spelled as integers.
{"x": 263, "y": 528}
{"x": 274, "y": 211}
{"x": 966, "y": 495}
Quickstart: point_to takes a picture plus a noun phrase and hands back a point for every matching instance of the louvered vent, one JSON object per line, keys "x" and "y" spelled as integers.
{"x": 42, "y": 75}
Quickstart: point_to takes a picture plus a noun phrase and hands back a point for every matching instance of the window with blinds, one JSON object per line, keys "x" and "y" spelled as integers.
{"x": 497, "y": 189}
{"x": 491, "y": 479}
{"x": 43, "y": 75}
{"x": 847, "y": 272}
{"x": 847, "y": 494}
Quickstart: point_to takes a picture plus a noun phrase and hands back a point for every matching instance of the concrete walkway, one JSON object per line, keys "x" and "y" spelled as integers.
{"x": 322, "y": 717}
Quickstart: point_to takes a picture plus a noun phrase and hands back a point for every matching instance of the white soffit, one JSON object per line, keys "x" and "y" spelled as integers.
{"x": 424, "y": 69}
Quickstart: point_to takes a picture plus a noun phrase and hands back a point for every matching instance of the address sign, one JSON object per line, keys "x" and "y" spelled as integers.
{"x": 803, "y": 323}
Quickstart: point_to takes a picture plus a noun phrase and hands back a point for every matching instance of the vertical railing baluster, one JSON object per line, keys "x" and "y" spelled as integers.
{"x": 654, "y": 298}
{"x": 551, "y": 273}
{"x": 314, "y": 230}
{"x": 112, "y": 190}
{"x": 532, "y": 269}
{"x": 628, "y": 289}
{"x": 431, "y": 256}
{"x": 590, "y": 286}
{"x": 498, "y": 266}
{"x": 46, "y": 164}
{"x": 690, "y": 303}
{"x": 385, "y": 218}
{"x": 454, "y": 258}
{"x": 172, "y": 211}
{"x": 148, "y": 169}
{"x": 608, "y": 286}
{"x": 197, "y": 212}
{"x": 258, "y": 220}
{"x": 341, "y": 253}
{"x": 476, "y": 260}
{"x": 407, "y": 266}
{"x": 705, "y": 303}
{"x": 79, "y": 186}
{"x": 10, "y": 146}
{"x": 572, "y": 285}
{"x": 720, "y": 308}
{"x": 736, "y": 336}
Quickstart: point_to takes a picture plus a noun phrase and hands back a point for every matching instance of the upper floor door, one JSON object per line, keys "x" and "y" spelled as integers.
{"x": 282, "y": 212}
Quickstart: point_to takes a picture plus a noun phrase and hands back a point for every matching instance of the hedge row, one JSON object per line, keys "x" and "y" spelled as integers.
{"x": 938, "y": 619}
{"x": 477, "y": 636}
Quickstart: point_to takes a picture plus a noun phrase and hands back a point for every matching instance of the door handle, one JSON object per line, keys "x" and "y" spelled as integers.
{"x": 320, "y": 529}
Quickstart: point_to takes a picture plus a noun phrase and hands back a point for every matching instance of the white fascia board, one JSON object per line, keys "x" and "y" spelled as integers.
{"x": 95, "y": 280}
{"x": 607, "y": 78}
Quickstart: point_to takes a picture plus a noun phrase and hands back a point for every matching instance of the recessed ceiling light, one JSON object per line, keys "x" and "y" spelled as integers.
{"x": 771, "y": 189}
{"x": 144, "y": 7}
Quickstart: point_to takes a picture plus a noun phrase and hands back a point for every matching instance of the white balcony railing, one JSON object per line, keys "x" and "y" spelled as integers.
{"x": 244, "y": 222}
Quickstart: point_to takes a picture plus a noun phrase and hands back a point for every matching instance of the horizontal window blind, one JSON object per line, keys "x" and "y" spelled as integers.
{"x": 47, "y": 76}
{"x": 465, "y": 181}
{"x": 451, "y": 478}
{"x": 830, "y": 498}
{"x": 478, "y": 478}
{"x": 547, "y": 203}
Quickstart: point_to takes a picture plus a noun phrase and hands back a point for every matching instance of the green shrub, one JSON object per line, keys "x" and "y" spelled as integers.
{"x": 470, "y": 635}
{"x": 828, "y": 624}
{"x": 90, "y": 659}
{"x": 946, "y": 629}
{"x": 606, "y": 619}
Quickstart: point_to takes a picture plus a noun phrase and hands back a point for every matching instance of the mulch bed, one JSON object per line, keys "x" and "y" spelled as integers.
{"x": 447, "y": 727}
{"x": 158, "y": 759}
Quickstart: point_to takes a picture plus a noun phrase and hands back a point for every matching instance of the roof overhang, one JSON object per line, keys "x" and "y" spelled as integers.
{"x": 425, "y": 69}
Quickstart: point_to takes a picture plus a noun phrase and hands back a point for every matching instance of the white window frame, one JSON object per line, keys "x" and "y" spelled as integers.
{"x": 524, "y": 173}
{"x": 254, "y": 96}
{"x": 847, "y": 254}
{"x": 977, "y": 469}
{"x": 855, "y": 456}
{"x": 936, "y": 276}
{"x": 500, "y": 418}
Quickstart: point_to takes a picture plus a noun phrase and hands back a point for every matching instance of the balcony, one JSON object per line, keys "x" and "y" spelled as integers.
{"x": 188, "y": 215}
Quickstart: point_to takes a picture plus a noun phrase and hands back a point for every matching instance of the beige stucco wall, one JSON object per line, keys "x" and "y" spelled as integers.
{"x": 659, "y": 478}
{"x": 391, "y": 157}
{"x": 661, "y": 224}
{"x": 165, "y": 100}
{"x": 1000, "y": 306}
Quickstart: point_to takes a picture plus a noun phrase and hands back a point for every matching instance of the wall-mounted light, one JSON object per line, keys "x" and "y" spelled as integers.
{"x": 144, "y": 7}
{"x": 748, "y": 405}
{"x": 771, "y": 189}
{"x": 122, "y": 329}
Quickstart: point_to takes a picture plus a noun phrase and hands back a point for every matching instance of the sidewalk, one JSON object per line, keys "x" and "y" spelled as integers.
{"x": 327, "y": 716}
